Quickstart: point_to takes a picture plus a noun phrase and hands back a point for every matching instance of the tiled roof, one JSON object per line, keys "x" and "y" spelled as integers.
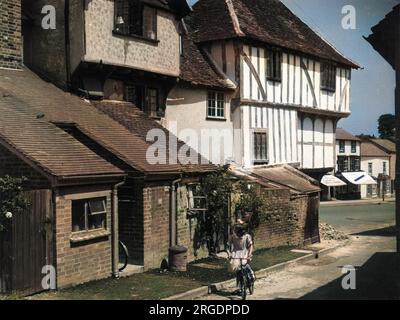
{"x": 342, "y": 134}
{"x": 269, "y": 21}
{"x": 386, "y": 144}
{"x": 197, "y": 69}
{"x": 49, "y": 148}
{"x": 285, "y": 176}
{"x": 34, "y": 95}
{"x": 369, "y": 149}
{"x": 139, "y": 124}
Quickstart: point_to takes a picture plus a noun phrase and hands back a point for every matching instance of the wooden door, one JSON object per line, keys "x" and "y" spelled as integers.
{"x": 312, "y": 221}
{"x": 30, "y": 247}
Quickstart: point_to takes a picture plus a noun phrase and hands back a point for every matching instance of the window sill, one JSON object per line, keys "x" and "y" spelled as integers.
{"x": 215, "y": 119}
{"x": 274, "y": 79}
{"x": 83, "y": 236}
{"x": 134, "y": 36}
{"x": 330, "y": 90}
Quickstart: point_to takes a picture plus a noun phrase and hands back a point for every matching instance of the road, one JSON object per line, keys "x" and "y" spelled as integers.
{"x": 371, "y": 252}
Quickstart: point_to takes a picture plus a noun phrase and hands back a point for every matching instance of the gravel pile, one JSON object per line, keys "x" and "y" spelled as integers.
{"x": 327, "y": 232}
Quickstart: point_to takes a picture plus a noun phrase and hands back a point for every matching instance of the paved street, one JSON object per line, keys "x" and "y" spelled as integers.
{"x": 371, "y": 252}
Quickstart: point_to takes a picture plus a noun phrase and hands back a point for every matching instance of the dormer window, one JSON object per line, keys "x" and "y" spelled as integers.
{"x": 328, "y": 77}
{"x": 274, "y": 66}
{"x": 133, "y": 18}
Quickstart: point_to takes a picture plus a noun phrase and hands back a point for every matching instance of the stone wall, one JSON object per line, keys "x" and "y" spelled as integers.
{"x": 10, "y": 34}
{"x": 101, "y": 44}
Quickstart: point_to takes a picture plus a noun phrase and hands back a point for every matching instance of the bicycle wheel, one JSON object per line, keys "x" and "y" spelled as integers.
{"x": 243, "y": 287}
{"x": 123, "y": 257}
{"x": 251, "y": 287}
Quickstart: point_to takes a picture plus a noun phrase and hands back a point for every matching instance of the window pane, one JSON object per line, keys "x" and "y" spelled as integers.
{"x": 78, "y": 216}
{"x": 96, "y": 221}
{"x": 150, "y": 23}
{"x": 97, "y": 206}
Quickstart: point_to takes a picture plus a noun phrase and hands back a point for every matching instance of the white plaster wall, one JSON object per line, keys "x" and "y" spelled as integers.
{"x": 377, "y": 168}
{"x": 187, "y": 112}
{"x": 347, "y": 151}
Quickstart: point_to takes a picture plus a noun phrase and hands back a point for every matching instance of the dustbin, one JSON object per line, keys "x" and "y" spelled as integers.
{"x": 177, "y": 258}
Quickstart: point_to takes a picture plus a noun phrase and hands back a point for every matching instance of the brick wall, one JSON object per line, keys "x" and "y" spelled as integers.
{"x": 283, "y": 220}
{"x": 144, "y": 223}
{"x": 10, "y": 34}
{"x": 11, "y": 165}
{"x": 156, "y": 222}
{"x": 87, "y": 260}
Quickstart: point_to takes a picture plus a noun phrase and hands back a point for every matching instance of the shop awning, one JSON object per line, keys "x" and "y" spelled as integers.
{"x": 359, "y": 178}
{"x": 331, "y": 181}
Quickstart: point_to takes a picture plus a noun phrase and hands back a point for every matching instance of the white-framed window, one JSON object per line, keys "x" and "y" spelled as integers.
{"x": 353, "y": 147}
{"x": 370, "y": 168}
{"x": 216, "y": 105}
{"x": 342, "y": 146}
{"x": 197, "y": 201}
{"x": 89, "y": 214}
{"x": 384, "y": 168}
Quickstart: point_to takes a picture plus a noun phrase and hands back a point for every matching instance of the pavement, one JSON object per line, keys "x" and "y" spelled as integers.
{"x": 371, "y": 251}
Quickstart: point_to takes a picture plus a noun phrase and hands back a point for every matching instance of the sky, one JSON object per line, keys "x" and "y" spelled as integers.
{"x": 372, "y": 88}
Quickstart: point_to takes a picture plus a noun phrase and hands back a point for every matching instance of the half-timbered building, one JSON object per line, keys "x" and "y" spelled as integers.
{"x": 291, "y": 86}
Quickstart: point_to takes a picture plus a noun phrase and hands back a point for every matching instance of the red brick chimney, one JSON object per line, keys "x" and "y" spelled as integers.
{"x": 10, "y": 34}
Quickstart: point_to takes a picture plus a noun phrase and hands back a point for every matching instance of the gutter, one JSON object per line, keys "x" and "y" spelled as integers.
{"x": 173, "y": 213}
{"x": 115, "y": 229}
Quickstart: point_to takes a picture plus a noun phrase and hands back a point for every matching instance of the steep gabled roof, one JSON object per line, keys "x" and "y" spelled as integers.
{"x": 197, "y": 69}
{"x": 37, "y": 97}
{"x": 342, "y": 134}
{"x": 269, "y": 21}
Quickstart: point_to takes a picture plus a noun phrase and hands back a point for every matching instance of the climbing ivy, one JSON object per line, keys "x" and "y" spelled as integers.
{"x": 12, "y": 199}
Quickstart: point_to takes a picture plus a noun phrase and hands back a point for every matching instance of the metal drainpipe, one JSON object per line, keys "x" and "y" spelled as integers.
{"x": 115, "y": 230}
{"x": 173, "y": 213}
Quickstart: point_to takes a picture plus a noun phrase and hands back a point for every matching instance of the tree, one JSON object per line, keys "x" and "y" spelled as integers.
{"x": 12, "y": 199}
{"x": 387, "y": 126}
{"x": 218, "y": 188}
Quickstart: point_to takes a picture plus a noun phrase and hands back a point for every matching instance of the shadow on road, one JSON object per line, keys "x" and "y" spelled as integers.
{"x": 377, "y": 279}
{"x": 383, "y": 232}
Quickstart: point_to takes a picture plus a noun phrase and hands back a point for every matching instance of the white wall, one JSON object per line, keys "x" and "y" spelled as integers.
{"x": 187, "y": 110}
{"x": 347, "y": 150}
{"x": 377, "y": 168}
{"x": 316, "y": 143}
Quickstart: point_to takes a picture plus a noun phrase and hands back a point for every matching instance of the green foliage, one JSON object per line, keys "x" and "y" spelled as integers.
{"x": 12, "y": 198}
{"x": 210, "y": 228}
{"x": 218, "y": 188}
{"x": 251, "y": 202}
{"x": 387, "y": 126}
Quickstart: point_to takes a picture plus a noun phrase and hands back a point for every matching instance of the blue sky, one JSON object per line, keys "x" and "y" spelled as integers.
{"x": 372, "y": 92}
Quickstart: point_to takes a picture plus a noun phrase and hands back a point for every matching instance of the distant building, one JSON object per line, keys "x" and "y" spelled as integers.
{"x": 348, "y": 150}
{"x": 376, "y": 161}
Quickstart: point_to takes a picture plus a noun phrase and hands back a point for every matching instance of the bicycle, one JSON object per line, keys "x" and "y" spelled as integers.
{"x": 244, "y": 278}
{"x": 123, "y": 256}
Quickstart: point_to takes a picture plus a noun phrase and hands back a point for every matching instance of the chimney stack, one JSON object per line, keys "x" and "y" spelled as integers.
{"x": 10, "y": 34}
